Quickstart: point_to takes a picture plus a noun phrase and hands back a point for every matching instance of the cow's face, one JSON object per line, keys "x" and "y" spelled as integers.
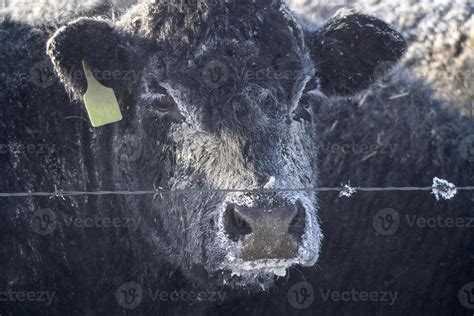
{"x": 224, "y": 105}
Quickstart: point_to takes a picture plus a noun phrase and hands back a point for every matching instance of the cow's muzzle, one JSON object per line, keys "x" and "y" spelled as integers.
{"x": 266, "y": 232}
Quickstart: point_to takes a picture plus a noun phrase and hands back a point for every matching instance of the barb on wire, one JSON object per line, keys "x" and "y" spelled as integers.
{"x": 347, "y": 190}
{"x": 444, "y": 189}
{"x": 158, "y": 192}
{"x": 57, "y": 193}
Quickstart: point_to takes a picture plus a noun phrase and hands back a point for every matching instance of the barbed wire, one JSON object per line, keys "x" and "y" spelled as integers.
{"x": 439, "y": 186}
{"x": 61, "y": 193}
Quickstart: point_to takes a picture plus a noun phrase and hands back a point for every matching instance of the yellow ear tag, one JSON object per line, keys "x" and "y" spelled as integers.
{"x": 101, "y": 102}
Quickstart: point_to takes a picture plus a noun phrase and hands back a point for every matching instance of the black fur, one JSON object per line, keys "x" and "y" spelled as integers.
{"x": 347, "y": 68}
{"x": 173, "y": 249}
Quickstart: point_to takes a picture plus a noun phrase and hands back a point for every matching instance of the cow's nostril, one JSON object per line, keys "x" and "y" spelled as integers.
{"x": 235, "y": 225}
{"x": 297, "y": 226}
{"x": 270, "y": 232}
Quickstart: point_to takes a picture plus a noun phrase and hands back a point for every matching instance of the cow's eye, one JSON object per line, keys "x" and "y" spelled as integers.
{"x": 311, "y": 96}
{"x": 159, "y": 100}
{"x": 302, "y": 112}
{"x": 164, "y": 104}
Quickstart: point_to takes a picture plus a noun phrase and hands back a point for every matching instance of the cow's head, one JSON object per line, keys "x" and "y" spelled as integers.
{"x": 221, "y": 96}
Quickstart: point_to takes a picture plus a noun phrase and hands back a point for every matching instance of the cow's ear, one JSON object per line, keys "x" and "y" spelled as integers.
{"x": 113, "y": 55}
{"x": 351, "y": 50}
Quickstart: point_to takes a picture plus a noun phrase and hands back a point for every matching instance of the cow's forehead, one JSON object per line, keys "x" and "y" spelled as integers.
{"x": 229, "y": 46}
{"x": 266, "y": 49}
{"x": 272, "y": 60}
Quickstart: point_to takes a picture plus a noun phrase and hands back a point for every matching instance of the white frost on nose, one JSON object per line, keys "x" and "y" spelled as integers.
{"x": 271, "y": 183}
{"x": 280, "y": 272}
{"x": 308, "y": 251}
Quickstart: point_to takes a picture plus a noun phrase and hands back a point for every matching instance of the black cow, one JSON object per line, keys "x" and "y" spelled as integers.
{"x": 221, "y": 101}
